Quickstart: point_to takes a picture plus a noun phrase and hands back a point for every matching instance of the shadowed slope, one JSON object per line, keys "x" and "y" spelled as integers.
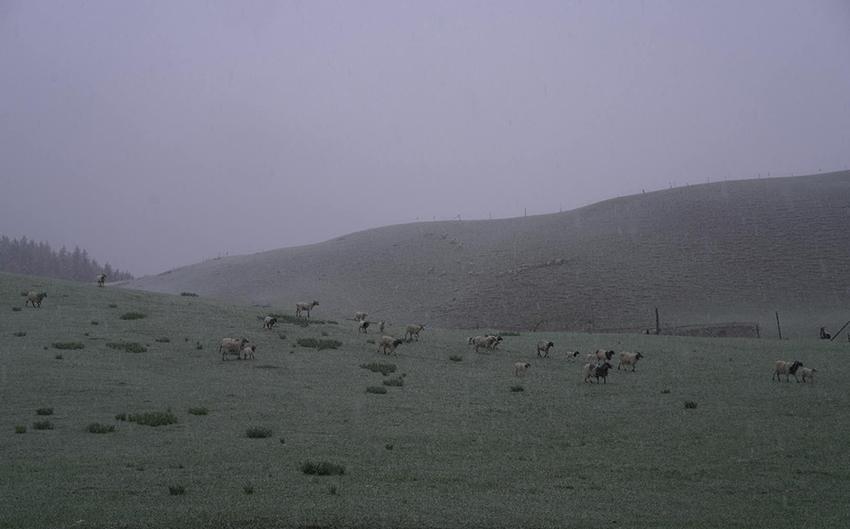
{"x": 713, "y": 252}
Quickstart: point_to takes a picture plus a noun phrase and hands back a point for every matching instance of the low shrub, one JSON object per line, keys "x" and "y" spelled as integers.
{"x": 20, "y": 429}
{"x": 42, "y": 425}
{"x": 376, "y": 367}
{"x": 130, "y": 347}
{"x": 456, "y": 358}
{"x": 133, "y": 316}
{"x": 44, "y": 411}
{"x": 258, "y": 432}
{"x": 176, "y": 490}
{"x": 371, "y": 341}
{"x": 189, "y": 294}
{"x": 19, "y": 334}
{"x": 153, "y": 418}
{"x": 96, "y": 427}
{"x": 378, "y": 390}
{"x": 322, "y": 468}
{"x": 16, "y": 309}
{"x": 665, "y": 391}
{"x": 198, "y": 411}
{"x": 517, "y": 389}
{"x": 68, "y": 345}
{"x": 58, "y": 356}
{"x": 690, "y": 405}
{"x": 388, "y": 446}
{"x": 163, "y": 339}
{"x": 95, "y": 322}
{"x": 113, "y": 306}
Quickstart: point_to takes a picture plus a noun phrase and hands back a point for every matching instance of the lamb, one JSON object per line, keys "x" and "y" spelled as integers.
{"x": 388, "y": 344}
{"x": 232, "y": 346}
{"x": 786, "y": 368}
{"x": 544, "y": 346}
{"x": 599, "y": 370}
{"x": 101, "y": 279}
{"x": 487, "y": 342}
{"x": 363, "y": 326}
{"x": 520, "y": 368}
{"x": 381, "y": 325}
{"x": 305, "y": 307}
{"x": 629, "y": 359}
{"x": 572, "y": 354}
{"x": 808, "y": 372}
{"x": 35, "y": 298}
{"x": 413, "y": 330}
{"x": 248, "y": 351}
{"x": 269, "y": 322}
{"x": 360, "y": 316}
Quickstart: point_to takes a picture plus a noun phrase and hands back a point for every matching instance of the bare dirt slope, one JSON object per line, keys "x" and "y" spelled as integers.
{"x": 707, "y": 253}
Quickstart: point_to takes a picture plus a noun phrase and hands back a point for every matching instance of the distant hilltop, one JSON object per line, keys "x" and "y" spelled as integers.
{"x": 719, "y": 252}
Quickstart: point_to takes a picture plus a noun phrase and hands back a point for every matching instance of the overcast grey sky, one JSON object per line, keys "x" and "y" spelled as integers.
{"x": 156, "y": 134}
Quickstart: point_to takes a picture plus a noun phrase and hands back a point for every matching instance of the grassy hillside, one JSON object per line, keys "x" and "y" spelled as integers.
{"x": 453, "y": 446}
{"x": 719, "y": 252}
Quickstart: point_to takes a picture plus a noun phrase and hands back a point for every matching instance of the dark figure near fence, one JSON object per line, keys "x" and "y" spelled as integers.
{"x": 824, "y": 335}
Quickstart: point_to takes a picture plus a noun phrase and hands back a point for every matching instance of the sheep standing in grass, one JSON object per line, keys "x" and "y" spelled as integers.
{"x": 363, "y": 327}
{"x": 34, "y": 298}
{"x": 599, "y": 370}
{"x": 786, "y": 368}
{"x": 269, "y": 322}
{"x": 305, "y": 307}
{"x": 629, "y": 359}
{"x": 520, "y": 368}
{"x": 808, "y": 373}
{"x": 232, "y": 346}
{"x": 487, "y": 342}
{"x": 572, "y": 354}
{"x": 101, "y": 279}
{"x": 544, "y": 346}
{"x": 388, "y": 344}
{"x": 248, "y": 352}
{"x": 360, "y": 316}
{"x": 600, "y": 356}
{"x": 411, "y": 331}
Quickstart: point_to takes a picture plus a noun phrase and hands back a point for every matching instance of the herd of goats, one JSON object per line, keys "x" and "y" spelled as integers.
{"x": 597, "y": 366}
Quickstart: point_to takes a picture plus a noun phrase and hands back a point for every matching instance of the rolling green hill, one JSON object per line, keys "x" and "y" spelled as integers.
{"x": 720, "y": 252}
{"x": 455, "y": 445}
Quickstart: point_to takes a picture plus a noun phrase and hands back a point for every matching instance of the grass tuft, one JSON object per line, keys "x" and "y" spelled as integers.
{"x": 176, "y": 490}
{"x": 121, "y": 417}
{"x": 333, "y": 490}
{"x": 248, "y": 488}
{"x": 378, "y": 390}
{"x": 690, "y": 405}
{"x": 16, "y": 309}
{"x": 133, "y": 316}
{"x": 198, "y": 411}
{"x": 665, "y": 391}
{"x": 19, "y": 334}
{"x": 163, "y": 339}
{"x": 113, "y": 306}
{"x": 20, "y": 429}
{"x": 388, "y": 446}
{"x": 42, "y": 425}
{"x": 258, "y": 432}
{"x": 395, "y": 382}
{"x": 68, "y": 345}
{"x": 199, "y": 346}
{"x": 44, "y": 411}
{"x": 376, "y": 367}
{"x": 96, "y": 427}
{"x": 189, "y": 294}
{"x": 456, "y": 358}
{"x": 130, "y": 347}
{"x": 517, "y": 388}
{"x": 153, "y": 418}
{"x": 322, "y": 468}
{"x": 281, "y": 335}
{"x": 58, "y": 356}
{"x": 95, "y": 322}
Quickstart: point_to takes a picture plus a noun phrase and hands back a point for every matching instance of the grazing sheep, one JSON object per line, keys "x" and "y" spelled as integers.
{"x": 388, "y": 344}
{"x": 360, "y": 316}
{"x": 101, "y": 279}
{"x": 572, "y": 354}
{"x": 786, "y": 368}
{"x": 269, "y": 322}
{"x": 600, "y": 356}
{"x": 487, "y": 342}
{"x": 35, "y": 298}
{"x": 599, "y": 370}
{"x": 544, "y": 346}
{"x": 305, "y": 307}
{"x": 363, "y": 326}
{"x": 413, "y": 330}
{"x": 248, "y": 351}
{"x": 520, "y": 368}
{"x": 808, "y": 373}
{"x": 232, "y": 346}
{"x": 629, "y": 359}
{"x": 381, "y": 325}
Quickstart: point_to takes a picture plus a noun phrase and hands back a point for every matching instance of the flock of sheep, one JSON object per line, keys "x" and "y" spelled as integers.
{"x": 597, "y": 366}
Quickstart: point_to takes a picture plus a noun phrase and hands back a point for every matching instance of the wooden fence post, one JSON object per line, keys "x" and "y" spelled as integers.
{"x": 778, "y": 327}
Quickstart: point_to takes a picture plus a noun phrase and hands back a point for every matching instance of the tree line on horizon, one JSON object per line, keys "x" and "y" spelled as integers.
{"x": 25, "y": 256}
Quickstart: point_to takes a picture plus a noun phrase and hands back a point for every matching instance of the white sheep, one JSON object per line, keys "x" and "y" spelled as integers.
{"x": 572, "y": 354}
{"x": 35, "y": 298}
{"x": 411, "y": 331}
{"x": 544, "y": 346}
{"x": 248, "y": 351}
{"x": 360, "y": 316}
{"x": 388, "y": 344}
{"x": 600, "y": 356}
{"x": 629, "y": 359}
{"x": 786, "y": 368}
{"x": 808, "y": 373}
{"x": 101, "y": 279}
{"x": 232, "y": 346}
{"x": 520, "y": 368}
{"x": 305, "y": 307}
{"x": 269, "y": 322}
{"x": 487, "y": 342}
